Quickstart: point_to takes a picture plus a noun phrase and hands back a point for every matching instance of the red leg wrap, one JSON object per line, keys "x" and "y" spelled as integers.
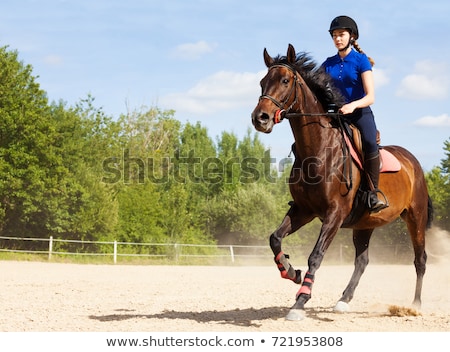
{"x": 289, "y": 273}
{"x": 307, "y": 284}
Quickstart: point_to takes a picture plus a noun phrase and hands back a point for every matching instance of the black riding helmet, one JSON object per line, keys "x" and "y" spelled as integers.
{"x": 345, "y": 22}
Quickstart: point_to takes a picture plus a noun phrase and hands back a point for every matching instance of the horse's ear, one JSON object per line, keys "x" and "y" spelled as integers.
{"x": 291, "y": 56}
{"x": 267, "y": 58}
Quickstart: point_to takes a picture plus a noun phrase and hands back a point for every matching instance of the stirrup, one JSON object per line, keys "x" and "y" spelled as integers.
{"x": 379, "y": 205}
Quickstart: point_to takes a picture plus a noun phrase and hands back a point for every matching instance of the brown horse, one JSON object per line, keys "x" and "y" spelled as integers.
{"x": 326, "y": 183}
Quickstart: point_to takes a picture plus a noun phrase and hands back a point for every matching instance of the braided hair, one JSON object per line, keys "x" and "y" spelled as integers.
{"x": 359, "y": 50}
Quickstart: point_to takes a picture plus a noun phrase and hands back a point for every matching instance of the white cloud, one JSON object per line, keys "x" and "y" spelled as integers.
{"x": 53, "y": 60}
{"x": 380, "y": 77}
{"x": 223, "y": 90}
{"x": 434, "y": 121}
{"x": 430, "y": 80}
{"x": 193, "y": 51}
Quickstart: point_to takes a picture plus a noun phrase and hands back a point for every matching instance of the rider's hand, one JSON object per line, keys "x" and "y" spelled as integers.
{"x": 347, "y": 108}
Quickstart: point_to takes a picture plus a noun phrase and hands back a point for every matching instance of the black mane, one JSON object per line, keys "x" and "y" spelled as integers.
{"x": 320, "y": 82}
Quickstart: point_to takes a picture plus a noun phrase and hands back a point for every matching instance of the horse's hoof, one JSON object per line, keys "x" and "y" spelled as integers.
{"x": 296, "y": 315}
{"x": 341, "y": 307}
{"x": 417, "y": 304}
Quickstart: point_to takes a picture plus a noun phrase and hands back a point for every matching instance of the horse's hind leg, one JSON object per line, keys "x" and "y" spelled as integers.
{"x": 361, "y": 240}
{"x": 417, "y": 223}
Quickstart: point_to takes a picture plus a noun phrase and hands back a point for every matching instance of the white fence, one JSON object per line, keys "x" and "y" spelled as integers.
{"x": 177, "y": 252}
{"x": 173, "y": 251}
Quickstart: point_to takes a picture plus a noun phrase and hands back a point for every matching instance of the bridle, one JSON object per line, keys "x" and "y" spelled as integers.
{"x": 284, "y": 112}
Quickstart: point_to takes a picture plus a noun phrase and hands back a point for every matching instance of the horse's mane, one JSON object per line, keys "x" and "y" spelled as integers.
{"x": 317, "y": 79}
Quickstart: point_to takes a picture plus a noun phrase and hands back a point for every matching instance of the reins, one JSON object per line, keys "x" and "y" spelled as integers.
{"x": 337, "y": 116}
{"x": 312, "y": 114}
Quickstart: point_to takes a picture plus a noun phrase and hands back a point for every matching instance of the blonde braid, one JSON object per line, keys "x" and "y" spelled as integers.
{"x": 359, "y": 50}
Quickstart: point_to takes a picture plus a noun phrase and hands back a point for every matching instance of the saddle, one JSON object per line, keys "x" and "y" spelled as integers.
{"x": 352, "y": 136}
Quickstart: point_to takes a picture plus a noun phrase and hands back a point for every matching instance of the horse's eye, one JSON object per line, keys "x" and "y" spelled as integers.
{"x": 285, "y": 81}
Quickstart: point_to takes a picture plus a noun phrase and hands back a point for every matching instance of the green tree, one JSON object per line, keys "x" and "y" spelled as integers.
{"x": 49, "y": 165}
{"x": 438, "y": 181}
{"x": 229, "y": 160}
{"x": 247, "y": 215}
{"x": 445, "y": 163}
{"x": 140, "y": 214}
{"x": 150, "y": 130}
{"x": 255, "y": 161}
{"x": 85, "y": 137}
{"x": 196, "y": 168}
{"x": 30, "y": 167}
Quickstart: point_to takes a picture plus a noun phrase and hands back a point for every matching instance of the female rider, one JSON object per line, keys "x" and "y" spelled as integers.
{"x": 351, "y": 71}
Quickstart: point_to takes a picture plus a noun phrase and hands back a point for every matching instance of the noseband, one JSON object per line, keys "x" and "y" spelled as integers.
{"x": 283, "y": 111}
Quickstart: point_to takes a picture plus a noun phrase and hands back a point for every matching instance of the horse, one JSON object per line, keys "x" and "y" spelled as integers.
{"x": 324, "y": 178}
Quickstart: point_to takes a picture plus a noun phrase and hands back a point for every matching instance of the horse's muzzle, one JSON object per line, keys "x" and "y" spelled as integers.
{"x": 262, "y": 121}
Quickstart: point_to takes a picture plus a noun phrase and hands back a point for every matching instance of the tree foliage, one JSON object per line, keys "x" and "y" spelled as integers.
{"x": 438, "y": 180}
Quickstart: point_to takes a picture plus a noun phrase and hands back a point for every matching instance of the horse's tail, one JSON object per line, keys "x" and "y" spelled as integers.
{"x": 430, "y": 213}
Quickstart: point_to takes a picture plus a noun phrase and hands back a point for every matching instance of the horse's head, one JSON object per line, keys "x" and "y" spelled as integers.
{"x": 279, "y": 91}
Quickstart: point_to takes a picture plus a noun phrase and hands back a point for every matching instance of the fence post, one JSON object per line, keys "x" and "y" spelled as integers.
{"x": 177, "y": 254}
{"x": 115, "y": 252}
{"x": 232, "y": 253}
{"x": 50, "y": 248}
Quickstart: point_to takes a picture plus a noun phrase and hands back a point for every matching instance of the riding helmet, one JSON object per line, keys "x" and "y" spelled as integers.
{"x": 345, "y": 22}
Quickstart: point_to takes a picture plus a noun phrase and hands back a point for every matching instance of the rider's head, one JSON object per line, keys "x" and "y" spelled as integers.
{"x": 344, "y": 31}
{"x": 339, "y": 28}
{"x": 345, "y": 23}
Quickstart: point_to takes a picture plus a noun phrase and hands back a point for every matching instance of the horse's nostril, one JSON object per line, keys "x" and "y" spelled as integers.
{"x": 260, "y": 117}
{"x": 263, "y": 117}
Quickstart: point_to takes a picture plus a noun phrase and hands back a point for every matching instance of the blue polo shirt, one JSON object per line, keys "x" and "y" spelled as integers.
{"x": 346, "y": 73}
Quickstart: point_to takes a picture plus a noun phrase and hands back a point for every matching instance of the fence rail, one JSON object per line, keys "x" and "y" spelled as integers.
{"x": 176, "y": 252}
{"x": 160, "y": 250}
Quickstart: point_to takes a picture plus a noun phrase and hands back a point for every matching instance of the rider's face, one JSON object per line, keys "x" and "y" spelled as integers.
{"x": 341, "y": 38}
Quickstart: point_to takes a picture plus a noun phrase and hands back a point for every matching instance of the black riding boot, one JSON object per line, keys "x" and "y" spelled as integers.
{"x": 372, "y": 168}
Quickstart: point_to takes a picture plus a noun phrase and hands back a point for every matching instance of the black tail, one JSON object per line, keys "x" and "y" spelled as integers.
{"x": 430, "y": 213}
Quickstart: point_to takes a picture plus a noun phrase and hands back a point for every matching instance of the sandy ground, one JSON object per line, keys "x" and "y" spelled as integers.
{"x": 46, "y": 297}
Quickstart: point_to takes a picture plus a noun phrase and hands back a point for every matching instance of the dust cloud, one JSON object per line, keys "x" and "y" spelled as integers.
{"x": 437, "y": 244}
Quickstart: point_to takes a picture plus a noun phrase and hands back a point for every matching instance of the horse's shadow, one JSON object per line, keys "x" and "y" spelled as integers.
{"x": 250, "y": 317}
{"x": 239, "y": 317}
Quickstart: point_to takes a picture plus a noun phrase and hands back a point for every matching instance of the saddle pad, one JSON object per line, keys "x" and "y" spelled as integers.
{"x": 388, "y": 162}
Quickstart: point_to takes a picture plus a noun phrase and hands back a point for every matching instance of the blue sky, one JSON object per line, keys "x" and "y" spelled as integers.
{"x": 203, "y": 58}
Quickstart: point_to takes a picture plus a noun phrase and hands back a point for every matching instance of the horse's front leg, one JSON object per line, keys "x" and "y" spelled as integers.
{"x": 293, "y": 220}
{"x": 329, "y": 229}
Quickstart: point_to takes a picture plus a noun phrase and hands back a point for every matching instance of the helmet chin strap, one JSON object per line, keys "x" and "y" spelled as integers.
{"x": 350, "y": 42}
